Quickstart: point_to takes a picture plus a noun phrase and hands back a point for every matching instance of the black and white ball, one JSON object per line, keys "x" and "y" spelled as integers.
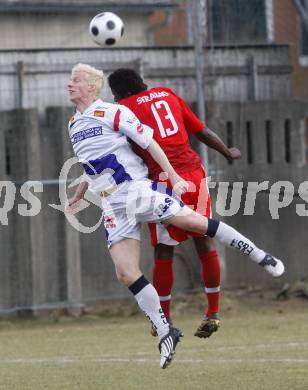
{"x": 106, "y": 29}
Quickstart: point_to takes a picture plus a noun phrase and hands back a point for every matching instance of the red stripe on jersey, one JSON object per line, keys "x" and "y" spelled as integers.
{"x": 116, "y": 121}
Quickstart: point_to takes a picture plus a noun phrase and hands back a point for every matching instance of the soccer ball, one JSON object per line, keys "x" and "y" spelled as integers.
{"x": 106, "y": 29}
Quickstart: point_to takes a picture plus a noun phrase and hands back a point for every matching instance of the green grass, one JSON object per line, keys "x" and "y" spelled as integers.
{"x": 262, "y": 344}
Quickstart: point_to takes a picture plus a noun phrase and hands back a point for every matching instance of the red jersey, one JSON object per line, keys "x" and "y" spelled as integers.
{"x": 171, "y": 118}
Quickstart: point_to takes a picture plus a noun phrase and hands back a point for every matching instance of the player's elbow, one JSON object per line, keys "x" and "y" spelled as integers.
{"x": 151, "y": 146}
{"x": 200, "y": 135}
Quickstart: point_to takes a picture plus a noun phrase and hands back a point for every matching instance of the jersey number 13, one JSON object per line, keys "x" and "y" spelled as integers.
{"x": 164, "y": 118}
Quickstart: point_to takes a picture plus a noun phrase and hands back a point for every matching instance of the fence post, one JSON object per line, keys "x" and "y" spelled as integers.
{"x": 252, "y": 90}
{"x": 40, "y": 272}
{"x": 5, "y": 285}
{"x": 20, "y": 83}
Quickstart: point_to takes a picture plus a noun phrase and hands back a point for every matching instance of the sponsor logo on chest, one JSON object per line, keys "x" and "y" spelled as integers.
{"x": 87, "y": 133}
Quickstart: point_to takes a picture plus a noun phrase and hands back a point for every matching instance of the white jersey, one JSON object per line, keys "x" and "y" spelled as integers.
{"x": 99, "y": 138}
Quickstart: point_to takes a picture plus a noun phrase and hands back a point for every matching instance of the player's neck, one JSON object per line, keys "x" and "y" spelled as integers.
{"x": 83, "y": 104}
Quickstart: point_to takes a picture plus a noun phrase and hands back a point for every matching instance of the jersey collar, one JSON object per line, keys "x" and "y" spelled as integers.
{"x": 93, "y": 106}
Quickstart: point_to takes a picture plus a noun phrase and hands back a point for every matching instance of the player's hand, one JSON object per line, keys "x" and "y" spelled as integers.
{"x": 179, "y": 185}
{"x": 234, "y": 154}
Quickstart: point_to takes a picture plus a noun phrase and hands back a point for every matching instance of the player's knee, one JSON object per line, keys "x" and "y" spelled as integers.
{"x": 204, "y": 245}
{"x": 127, "y": 277}
{"x": 124, "y": 278}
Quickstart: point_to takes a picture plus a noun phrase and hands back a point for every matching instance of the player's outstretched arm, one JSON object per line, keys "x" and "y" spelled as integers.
{"x": 79, "y": 194}
{"x": 211, "y": 139}
{"x": 180, "y": 186}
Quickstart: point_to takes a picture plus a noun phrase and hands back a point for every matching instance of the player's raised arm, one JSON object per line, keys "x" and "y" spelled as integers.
{"x": 78, "y": 195}
{"x": 142, "y": 135}
{"x": 180, "y": 186}
{"x": 205, "y": 135}
{"x": 211, "y": 139}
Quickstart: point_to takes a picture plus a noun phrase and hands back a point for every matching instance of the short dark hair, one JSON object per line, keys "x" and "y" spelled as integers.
{"x": 125, "y": 82}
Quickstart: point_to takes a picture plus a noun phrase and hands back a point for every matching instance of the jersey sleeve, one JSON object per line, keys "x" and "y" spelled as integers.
{"x": 128, "y": 124}
{"x": 192, "y": 123}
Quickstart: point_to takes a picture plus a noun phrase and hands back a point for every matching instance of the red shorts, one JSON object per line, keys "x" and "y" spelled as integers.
{"x": 197, "y": 198}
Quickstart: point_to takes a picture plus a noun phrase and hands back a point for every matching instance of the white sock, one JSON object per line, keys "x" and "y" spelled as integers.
{"x": 148, "y": 301}
{"x": 230, "y": 237}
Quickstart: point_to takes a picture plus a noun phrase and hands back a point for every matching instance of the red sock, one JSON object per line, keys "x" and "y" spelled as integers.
{"x": 211, "y": 278}
{"x": 163, "y": 282}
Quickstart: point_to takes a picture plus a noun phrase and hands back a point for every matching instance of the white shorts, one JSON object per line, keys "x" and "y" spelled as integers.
{"x": 136, "y": 202}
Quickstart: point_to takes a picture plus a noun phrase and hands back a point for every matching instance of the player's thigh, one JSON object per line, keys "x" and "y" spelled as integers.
{"x": 125, "y": 255}
{"x": 152, "y": 202}
{"x": 156, "y": 204}
{"x": 188, "y": 219}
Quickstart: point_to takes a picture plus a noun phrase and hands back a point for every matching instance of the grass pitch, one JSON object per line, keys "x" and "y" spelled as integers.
{"x": 262, "y": 344}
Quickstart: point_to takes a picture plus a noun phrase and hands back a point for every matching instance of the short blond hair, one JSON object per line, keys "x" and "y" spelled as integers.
{"x": 95, "y": 76}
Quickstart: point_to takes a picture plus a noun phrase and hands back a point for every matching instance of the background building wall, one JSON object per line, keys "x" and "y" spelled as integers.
{"x": 64, "y": 23}
{"x": 169, "y": 28}
{"x": 50, "y": 31}
{"x": 288, "y": 30}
